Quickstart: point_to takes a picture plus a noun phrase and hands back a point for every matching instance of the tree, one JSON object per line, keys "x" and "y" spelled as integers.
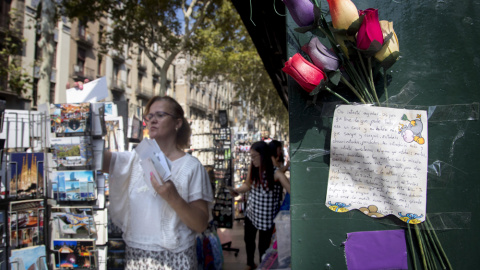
{"x": 170, "y": 25}
{"x": 12, "y": 75}
{"x": 230, "y": 55}
{"x": 46, "y": 43}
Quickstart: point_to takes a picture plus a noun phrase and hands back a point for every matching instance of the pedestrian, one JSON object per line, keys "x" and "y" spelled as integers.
{"x": 279, "y": 163}
{"x": 159, "y": 228}
{"x": 278, "y": 158}
{"x": 265, "y": 185}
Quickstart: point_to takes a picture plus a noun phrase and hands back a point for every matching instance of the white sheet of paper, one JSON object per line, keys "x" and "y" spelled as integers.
{"x": 148, "y": 167}
{"x": 93, "y": 91}
{"x": 378, "y": 162}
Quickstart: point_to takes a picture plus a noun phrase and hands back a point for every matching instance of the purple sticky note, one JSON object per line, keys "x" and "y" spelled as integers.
{"x": 376, "y": 250}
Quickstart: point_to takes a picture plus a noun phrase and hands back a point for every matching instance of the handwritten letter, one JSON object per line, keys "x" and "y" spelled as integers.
{"x": 378, "y": 162}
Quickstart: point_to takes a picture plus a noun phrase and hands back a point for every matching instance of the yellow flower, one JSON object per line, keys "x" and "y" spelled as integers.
{"x": 344, "y": 13}
{"x": 391, "y": 45}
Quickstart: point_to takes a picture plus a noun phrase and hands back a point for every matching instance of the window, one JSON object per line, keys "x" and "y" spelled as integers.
{"x": 99, "y": 65}
{"x": 116, "y": 71}
{"x": 81, "y": 56}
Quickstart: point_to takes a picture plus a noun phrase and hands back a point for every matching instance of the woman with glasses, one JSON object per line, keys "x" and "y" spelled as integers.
{"x": 265, "y": 185}
{"x": 159, "y": 227}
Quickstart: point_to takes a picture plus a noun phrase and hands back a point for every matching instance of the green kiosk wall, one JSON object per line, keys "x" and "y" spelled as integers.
{"x": 439, "y": 71}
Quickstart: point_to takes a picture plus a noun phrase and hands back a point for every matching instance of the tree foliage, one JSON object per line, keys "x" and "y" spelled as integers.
{"x": 12, "y": 74}
{"x": 169, "y": 25}
{"x": 230, "y": 54}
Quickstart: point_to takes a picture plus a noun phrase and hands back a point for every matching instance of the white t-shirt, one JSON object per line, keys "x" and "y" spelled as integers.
{"x": 146, "y": 219}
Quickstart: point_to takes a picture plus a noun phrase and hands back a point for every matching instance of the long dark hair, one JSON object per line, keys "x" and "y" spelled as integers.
{"x": 274, "y": 145}
{"x": 184, "y": 132}
{"x": 258, "y": 177}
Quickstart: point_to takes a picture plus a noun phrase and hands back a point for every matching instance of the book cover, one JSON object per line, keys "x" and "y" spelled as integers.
{"x": 26, "y": 172}
{"x": 71, "y": 119}
{"x": 70, "y": 153}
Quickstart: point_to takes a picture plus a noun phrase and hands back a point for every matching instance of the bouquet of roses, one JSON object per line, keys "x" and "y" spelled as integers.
{"x": 361, "y": 46}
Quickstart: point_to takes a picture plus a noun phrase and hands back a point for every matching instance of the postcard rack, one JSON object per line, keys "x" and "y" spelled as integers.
{"x": 50, "y": 160}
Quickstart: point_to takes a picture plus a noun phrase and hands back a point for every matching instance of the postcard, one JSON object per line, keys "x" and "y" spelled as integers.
{"x": 73, "y": 222}
{"x": 26, "y": 223}
{"x": 93, "y": 91}
{"x": 29, "y": 258}
{"x": 110, "y": 109}
{"x": 72, "y": 152}
{"x": 73, "y": 185}
{"x": 77, "y": 254}
{"x": 70, "y": 119}
{"x": 115, "y": 138}
{"x": 26, "y": 172}
{"x": 98, "y": 119}
{"x": 116, "y": 254}
{"x": 134, "y": 130}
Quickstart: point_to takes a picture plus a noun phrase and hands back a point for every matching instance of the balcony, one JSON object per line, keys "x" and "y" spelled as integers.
{"x": 84, "y": 37}
{"x": 143, "y": 92}
{"x": 118, "y": 56}
{"x": 197, "y": 105}
{"x": 80, "y": 73}
{"x": 141, "y": 65}
{"x": 118, "y": 85}
{"x": 36, "y": 74}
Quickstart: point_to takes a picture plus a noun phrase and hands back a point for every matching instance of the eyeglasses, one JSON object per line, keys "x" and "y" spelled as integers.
{"x": 158, "y": 115}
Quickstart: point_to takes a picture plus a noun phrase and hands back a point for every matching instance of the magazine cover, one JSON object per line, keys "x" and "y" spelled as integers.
{"x": 116, "y": 254}
{"x": 73, "y": 222}
{"x": 77, "y": 254}
{"x": 73, "y": 185}
{"x": 29, "y": 258}
{"x": 25, "y": 175}
{"x": 70, "y": 119}
{"x": 72, "y": 153}
{"x": 26, "y": 223}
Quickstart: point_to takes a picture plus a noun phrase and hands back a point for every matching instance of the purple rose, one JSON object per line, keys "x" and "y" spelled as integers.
{"x": 301, "y": 11}
{"x": 322, "y": 57}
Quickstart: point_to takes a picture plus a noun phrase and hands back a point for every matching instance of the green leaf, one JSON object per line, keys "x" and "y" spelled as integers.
{"x": 335, "y": 77}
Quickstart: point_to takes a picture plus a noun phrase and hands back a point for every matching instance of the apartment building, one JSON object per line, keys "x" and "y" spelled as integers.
{"x": 132, "y": 79}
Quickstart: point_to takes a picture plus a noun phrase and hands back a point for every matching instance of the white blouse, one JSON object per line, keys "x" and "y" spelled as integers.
{"x": 146, "y": 219}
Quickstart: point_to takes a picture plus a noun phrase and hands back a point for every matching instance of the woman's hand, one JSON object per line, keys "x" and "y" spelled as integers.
{"x": 78, "y": 85}
{"x": 166, "y": 189}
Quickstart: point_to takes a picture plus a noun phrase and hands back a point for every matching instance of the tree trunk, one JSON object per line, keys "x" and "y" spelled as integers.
{"x": 46, "y": 44}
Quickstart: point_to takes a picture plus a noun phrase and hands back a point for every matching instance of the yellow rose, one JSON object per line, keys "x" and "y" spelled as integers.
{"x": 391, "y": 45}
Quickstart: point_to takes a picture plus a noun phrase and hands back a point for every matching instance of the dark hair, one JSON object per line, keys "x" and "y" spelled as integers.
{"x": 184, "y": 132}
{"x": 274, "y": 145}
{"x": 266, "y": 166}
